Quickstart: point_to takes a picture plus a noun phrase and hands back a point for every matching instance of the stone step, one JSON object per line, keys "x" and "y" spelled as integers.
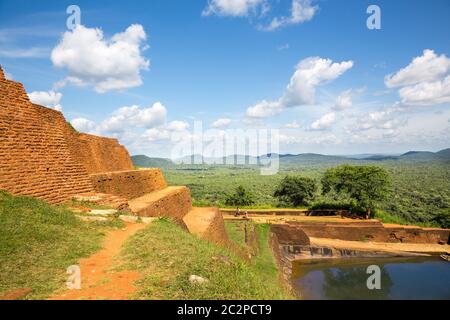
{"x": 110, "y": 200}
{"x": 208, "y": 224}
{"x": 172, "y": 202}
{"x": 129, "y": 184}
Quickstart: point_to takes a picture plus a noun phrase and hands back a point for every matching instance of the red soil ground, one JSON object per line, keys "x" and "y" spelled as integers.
{"x": 98, "y": 281}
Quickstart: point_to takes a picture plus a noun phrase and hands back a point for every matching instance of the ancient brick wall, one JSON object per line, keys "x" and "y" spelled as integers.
{"x": 289, "y": 234}
{"x": 42, "y": 156}
{"x": 216, "y": 231}
{"x": 129, "y": 184}
{"x": 99, "y": 154}
{"x": 371, "y": 231}
{"x": 173, "y": 202}
{"x": 35, "y": 158}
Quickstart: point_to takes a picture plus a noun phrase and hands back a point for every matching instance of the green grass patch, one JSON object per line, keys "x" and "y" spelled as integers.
{"x": 236, "y": 232}
{"x": 39, "y": 241}
{"x": 264, "y": 262}
{"x": 167, "y": 255}
{"x": 86, "y": 204}
{"x": 387, "y": 217}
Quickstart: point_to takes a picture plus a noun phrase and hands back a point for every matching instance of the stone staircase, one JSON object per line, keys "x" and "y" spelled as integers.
{"x": 148, "y": 195}
{"x": 172, "y": 202}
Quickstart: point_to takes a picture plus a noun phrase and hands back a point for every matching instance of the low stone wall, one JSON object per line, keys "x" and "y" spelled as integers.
{"x": 299, "y": 252}
{"x": 289, "y": 235}
{"x": 282, "y": 260}
{"x": 372, "y": 231}
{"x": 275, "y": 212}
{"x": 174, "y": 202}
{"x": 216, "y": 232}
{"x": 129, "y": 184}
{"x": 418, "y": 235}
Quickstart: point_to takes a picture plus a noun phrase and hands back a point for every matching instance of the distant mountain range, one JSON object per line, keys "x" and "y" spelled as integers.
{"x": 148, "y": 162}
{"x": 292, "y": 159}
{"x": 415, "y": 155}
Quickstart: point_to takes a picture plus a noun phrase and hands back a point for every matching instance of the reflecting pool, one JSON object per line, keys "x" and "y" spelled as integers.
{"x": 401, "y": 278}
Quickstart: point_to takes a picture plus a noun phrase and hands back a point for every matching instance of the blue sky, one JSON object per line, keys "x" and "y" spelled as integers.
{"x": 216, "y": 60}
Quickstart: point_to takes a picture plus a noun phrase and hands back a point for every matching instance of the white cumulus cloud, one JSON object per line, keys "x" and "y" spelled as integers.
{"x": 325, "y": 122}
{"x": 83, "y": 125}
{"x": 344, "y": 100}
{"x": 234, "y": 8}
{"x": 310, "y": 73}
{"x": 9, "y": 76}
{"x": 301, "y": 11}
{"x": 106, "y": 64}
{"x": 177, "y": 125}
{"x": 425, "y": 81}
{"x": 428, "y": 67}
{"x": 50, "y": 99}
{"x": 427, "y": 93}
{"x": 134, "y": 116}
{"x": 293, "y": 125}
{"x": 221, "y": 123}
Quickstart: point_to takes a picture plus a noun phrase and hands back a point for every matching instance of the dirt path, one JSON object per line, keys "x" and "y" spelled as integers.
{"x": 98, "y": 282}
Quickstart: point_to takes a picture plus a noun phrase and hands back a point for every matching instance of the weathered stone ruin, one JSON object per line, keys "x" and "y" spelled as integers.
{"x": 42, "y": 156}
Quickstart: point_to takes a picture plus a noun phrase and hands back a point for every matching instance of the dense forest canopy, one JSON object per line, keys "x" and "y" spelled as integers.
{"x": 420, "y": 191}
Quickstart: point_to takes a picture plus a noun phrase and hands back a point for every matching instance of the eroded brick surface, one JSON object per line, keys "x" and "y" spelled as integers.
{"x": 42, "y": 156}
{"x": 35, "y": 158}
{"x": 129, "y": 184}
{"x": 99, "y": 154}
{"x": 173, "y": 202}
{"x": 370, "y": 231}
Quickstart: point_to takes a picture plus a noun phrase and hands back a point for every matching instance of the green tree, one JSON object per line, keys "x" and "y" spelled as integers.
{"x": 442, "y": 218}
{"x": 296, "y": 191}
{"x": 367, "y": 185}
{"x": 240, "y": 197}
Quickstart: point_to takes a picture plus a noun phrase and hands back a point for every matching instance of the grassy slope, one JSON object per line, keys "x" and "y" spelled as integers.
{"x": 167, "y": 256}
{"x": 38, "y": 242}
{"x": 264, "y": 262}
{"x": 235, "y": 230}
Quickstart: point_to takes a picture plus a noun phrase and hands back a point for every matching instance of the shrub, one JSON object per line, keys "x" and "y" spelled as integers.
{"x": 296, "y": 191}
{"x": 240, "y": 197}
{"x": 351, "y": 207}
{"x": 367, "y": 185}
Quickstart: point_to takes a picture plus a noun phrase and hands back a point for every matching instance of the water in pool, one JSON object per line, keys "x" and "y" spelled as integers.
{"x": 401, "y": 278}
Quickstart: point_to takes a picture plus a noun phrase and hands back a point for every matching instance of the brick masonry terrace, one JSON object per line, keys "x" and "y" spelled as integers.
{"x": 42, "y": 156}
